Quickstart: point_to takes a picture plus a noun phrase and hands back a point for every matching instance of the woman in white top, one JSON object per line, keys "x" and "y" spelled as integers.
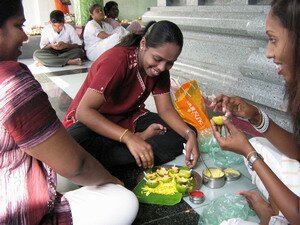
{"x": 98, "y": 35}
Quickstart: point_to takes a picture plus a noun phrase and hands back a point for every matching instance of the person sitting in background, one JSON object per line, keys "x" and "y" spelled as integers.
{"x": 108, "y": 115}
{"x": 111, "y": 11}
{"x": 60, "y": 44}
{"x": 35, "y": 146}
{"x": 272, "y": 160}
{"x": 98, "y": 35}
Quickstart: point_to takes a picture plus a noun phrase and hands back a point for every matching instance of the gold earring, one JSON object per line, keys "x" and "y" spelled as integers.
{"x": 141, "y": 49}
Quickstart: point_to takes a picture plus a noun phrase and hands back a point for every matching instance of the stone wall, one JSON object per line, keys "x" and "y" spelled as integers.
{"x": 224, "y": 44}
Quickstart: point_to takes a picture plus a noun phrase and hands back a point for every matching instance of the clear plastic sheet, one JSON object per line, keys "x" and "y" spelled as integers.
{"x": 221, "y": 158}
{"x": 226, "y": 207}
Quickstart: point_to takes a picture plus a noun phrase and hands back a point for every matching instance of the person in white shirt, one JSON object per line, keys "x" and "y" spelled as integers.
{"x": 111, "y": 10}
{"x": 98, "y": 35}
{"x": 60, "y": 44}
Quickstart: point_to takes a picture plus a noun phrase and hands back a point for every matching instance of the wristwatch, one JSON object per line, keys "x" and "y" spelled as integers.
{"x": 253, "y": 158}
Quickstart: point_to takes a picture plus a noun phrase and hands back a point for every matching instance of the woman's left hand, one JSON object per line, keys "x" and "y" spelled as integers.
{"x": 234, "y": 140}
{"x": 262, "y": 208}
{"x": 192, "y": 151}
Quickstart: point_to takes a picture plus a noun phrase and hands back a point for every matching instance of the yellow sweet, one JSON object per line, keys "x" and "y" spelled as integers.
{"x": 218, "y": 120}
{"x": 163, "y": 189}
{"x": 167, "y": 183}
{"x": 213, "y": 173}
{"x": 232, "y": 171}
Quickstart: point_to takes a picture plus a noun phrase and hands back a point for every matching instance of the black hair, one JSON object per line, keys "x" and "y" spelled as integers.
{"x": 288, "y": 13}
{"x": 108, "y": 6}
{"x": 57, "y": 16}
{"x": 92, "y": 8}
{"x": 9, "y": 8}
{"x": 156, "y": 34}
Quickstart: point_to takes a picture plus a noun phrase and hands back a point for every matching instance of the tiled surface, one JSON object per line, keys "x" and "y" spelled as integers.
{"x": 61, "y": 84}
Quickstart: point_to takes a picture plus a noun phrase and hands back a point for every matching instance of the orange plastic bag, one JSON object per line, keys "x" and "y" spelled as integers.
{"x": 190, "y": 105}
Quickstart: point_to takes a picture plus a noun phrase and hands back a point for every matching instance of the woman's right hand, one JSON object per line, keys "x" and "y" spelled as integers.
{"x": 235, "y": 106}
{"x": 140, "y": 150}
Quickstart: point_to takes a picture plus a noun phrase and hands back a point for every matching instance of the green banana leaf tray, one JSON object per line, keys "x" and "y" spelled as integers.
{"x": 162, "y": 199}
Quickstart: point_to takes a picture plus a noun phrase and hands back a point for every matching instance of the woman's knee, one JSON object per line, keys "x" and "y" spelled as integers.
{"x": 108, "y": 204}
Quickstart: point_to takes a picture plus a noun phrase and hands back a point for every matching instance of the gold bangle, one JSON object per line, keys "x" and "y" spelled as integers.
{"x": 249, "y": 154}
{"x": 125, "y": 131}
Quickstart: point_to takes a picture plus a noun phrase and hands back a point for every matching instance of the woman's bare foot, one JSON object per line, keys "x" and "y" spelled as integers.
{"x": 76, "y": 61}
{"x": 153, "y": 130}
{"x": 262, "y": 208}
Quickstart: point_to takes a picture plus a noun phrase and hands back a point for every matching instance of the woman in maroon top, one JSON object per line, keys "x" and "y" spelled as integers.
{"x": 108, "y": 114}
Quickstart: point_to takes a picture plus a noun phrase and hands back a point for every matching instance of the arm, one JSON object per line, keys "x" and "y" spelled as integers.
{"x": 87, "y": 113}
{"x": 45, "y": 43}
{"x": 287, "y": 202}
{"x": 168, "y": 113}
{"x": 68, "y": 159}
{"x": 62, "y": 45}
{"x": 103, "y": 35}
{"x": 105, "y": 30}
{"x": 279, "y": 137}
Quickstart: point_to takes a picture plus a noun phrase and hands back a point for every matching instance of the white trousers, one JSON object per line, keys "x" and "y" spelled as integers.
{"x": 109, "y": 204}
{"x": 103, "y": 45}
{"x": 286, "y": 169}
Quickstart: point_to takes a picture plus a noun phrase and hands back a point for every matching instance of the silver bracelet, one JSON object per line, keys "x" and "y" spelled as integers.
{"x": 265, "y": 122}
{"x": 187, "y": 133}
{"x": 253, "y": 158}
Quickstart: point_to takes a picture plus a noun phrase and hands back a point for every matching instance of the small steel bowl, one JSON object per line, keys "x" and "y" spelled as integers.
{"x": 213, "y": 182}
{"x": 231, "y": 174}
{"x": 197, "y": 197}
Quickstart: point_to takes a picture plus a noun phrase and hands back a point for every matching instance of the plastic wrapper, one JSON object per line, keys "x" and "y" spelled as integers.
{"x": 190, "y": 105}
{"x": 223, "y": 158}
{"x": 207, "y": 141}
{"x": 226, "y": 207}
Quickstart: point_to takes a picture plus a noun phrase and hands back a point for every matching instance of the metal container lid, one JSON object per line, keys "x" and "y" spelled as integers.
{"x": 231, "y": 174}
{"x": 197, "y": 197}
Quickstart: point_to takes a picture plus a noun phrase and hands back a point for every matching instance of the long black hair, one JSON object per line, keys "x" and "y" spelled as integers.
{"x": 9, "y": 8}
{"x": 156, "y": 34}
{"x": 288, "y": 12}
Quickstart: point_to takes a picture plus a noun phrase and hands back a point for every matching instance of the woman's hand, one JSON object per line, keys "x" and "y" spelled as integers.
{"x": 140, "y": 150}
{"x": 262, "y": 208}
{"x": 235, "y": 106}
{"x": 234, "y": 140}
{"x": 192, "y": 152}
